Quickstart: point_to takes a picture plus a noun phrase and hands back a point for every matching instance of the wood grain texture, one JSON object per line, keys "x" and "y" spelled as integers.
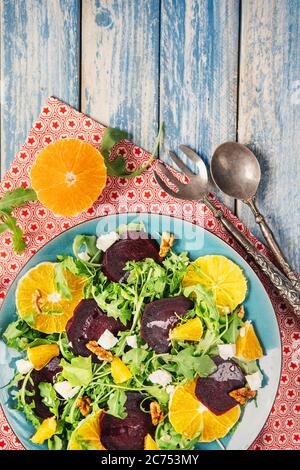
{"x": 120, "y": 51}
{"x": 199, "y": 70}
{"x": 269, "y": 113}
{"x": 39, "y": 58}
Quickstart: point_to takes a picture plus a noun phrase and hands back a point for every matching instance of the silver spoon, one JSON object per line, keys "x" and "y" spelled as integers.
{"x": 197, "y": 190}
{"x": 236, "y": 172}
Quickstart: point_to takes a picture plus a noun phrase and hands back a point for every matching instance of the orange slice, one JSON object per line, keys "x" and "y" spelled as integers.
{"x": 150, "y": 443}
{"x": 248, "y": 346}
{"x": 190, "y": 331}
{"x": 39, "y": 356}
{"x": 87, "y": 434}
{"x": 45, "y": 431}
{"x": 185, "y": 411}
{"x": 222, "y": 276}
{"x": 119, "y": 371}
{"x": 189, "y": 416}
{"x": 39, "y": 303}
{"x": 68, "y": 176}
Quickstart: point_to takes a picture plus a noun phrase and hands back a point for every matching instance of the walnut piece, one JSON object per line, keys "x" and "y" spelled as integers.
{"x": 241, "y": 312}
{"x": 157, "y": 414}
{"x": 242, "y": 395}
{"x": 37, "y": 301}
{"x": 100, "y": 352}
{"x": 84, "y": 405}
{"x": 167, "y": 240}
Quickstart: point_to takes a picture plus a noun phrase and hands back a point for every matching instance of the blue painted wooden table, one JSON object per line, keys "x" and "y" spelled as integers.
{"x": 212, "y": 70}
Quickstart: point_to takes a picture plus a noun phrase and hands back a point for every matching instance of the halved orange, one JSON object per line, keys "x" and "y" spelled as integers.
{"x": 248, "y": 346}
{"x": 222, "y": 276}
{"x": 190, "y": 331}
{"x": 87, "y": 434}
{"x": 189, "y": 416}
{"x": 39, "y": 303}
{"x": 39, "y": 356}
{"x": 68, "y": 176}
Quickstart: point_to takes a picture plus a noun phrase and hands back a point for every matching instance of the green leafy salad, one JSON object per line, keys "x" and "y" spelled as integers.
{"x": 128, "y": 345}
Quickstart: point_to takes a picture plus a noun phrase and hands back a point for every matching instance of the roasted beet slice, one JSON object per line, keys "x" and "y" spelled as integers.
{"x": 87, "y": 324}
{"x": 128, "y": 433}
{"x": 135, "y": 247}
{"x": 47, "y": 374}
{"x": 213, "y": 390}
{"x": 159, "y": 317}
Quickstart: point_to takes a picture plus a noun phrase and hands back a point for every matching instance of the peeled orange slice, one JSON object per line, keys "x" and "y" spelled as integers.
{"x": 222, "y": 276}
{"x": 39, "y": 356}
{"x": 119, "y": 371}
{"x": 185, "y": 411}
{"x": 248, "y": 346}
{"x": 39, "y": 303}
{"x": 150, "y": 443}
{"x": 68, "y": 176}
{"x": 87, "y": 434}
{"x": 189, "y": 416}
{"x": 45, "y": 431}
{"x": 216, "y": 427}
{"x": 190, "y": 331}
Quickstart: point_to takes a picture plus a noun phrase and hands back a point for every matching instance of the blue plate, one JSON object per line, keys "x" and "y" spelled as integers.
{"x": 197, "y": 242}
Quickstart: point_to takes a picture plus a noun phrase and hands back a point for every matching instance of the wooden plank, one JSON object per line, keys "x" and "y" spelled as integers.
{"x": 199, "y": 69}
{"x": 120, "y": 65}
{"x": 269, "y": 113}
{"x": 39, "y": 58}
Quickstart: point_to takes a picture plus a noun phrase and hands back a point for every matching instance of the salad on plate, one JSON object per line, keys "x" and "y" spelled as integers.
{"x": 128, "y": 345}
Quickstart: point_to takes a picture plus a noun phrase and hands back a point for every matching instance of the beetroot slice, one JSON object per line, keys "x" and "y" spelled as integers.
{"x": 213, "y": 390}
{"x": 128, "y": 433}
{"x": 87, "y": 324}
{"x": 135, "y": 247}
{"x": 159, "y": 317}
{"x": 47, "y": 374}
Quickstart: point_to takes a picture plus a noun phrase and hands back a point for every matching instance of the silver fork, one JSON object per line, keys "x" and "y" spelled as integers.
{"x": 197, "y": 189}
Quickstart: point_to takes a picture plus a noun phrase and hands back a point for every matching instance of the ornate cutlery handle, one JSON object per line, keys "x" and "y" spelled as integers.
{"x": 284, "y": 286}
{"x": 270, "y": 239}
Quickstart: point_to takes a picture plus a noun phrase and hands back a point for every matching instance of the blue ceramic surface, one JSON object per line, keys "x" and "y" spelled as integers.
{"x": 197, "y": 242}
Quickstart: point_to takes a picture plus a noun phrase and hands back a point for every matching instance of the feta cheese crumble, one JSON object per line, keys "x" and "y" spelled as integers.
{"x": 83, "y": 256}
{"x": 255, "y": 380}
{"x": 226, "y": 350}
{"x": 65, "y": 389}
{"x": 160, "y": 377}
{"x": 107, "y": 340}
{"x": 107, "y": 240}
{"x": 23, "y": 366}
{"x": 131, "y": 341}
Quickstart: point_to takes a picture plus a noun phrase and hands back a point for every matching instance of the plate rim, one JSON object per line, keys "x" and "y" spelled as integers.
{"x": 132, "y": 214}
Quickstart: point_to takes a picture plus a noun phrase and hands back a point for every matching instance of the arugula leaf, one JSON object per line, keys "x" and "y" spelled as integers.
{"x": 203, "y": 295}
{"x": 136, "y": 358}
{"x": 60, "y": 281}
{"x": 11, "y": 224}
{"x": 3, "y": 227}
{"x": 78, "y": 372}
{"x": 159, "y": 393}
{"x": 89, "y": 242}
{"x": 114, "y": 300}
{"x": 232, "y": 333}
{"x": 116, "y": 404}
{"x": 49, "y": 397}
{"x": 16, "y": 198}
{"x": 55, "y": 443}
{"x": 110, "y": 138}
{"x": 18, "y": 335}
{"x": 168, "y": 439}
{"x": 249, "y": 367}
{"x": 204, "y": 366}
{"x": 208, "y": 342}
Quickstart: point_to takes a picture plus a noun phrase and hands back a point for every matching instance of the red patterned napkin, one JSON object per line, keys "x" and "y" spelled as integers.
{"x": 140, "y": 194}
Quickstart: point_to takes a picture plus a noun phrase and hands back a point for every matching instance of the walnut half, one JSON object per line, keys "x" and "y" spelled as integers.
{"x": 242, "y": 395}
{"x": 157, "y": 414}
{"x": 84, "y": 405}
{"x": 100, "y": 352}
{"x": 167, "y": 240}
